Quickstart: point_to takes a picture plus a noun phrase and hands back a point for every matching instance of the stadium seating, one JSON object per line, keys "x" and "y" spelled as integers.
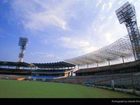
{"x": 125, "y": 81}
{"x": 43, "y": 77}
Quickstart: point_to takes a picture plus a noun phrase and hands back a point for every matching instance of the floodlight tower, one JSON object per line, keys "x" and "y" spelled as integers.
{"x": 126, "y": 14}
{"x": 22, "y": 44}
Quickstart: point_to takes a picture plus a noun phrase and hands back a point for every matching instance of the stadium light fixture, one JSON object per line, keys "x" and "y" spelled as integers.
{"x": 126, "y": 14}
{"x": 22, "y": 43}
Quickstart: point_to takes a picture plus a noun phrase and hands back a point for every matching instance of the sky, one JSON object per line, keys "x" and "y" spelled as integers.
{"x": 59, "y": 29}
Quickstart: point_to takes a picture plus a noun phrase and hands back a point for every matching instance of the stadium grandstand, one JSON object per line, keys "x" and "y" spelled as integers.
{"x": 52, "y": 70}
{"x": 15, "y": 70}
{"x": 37, "y": 71}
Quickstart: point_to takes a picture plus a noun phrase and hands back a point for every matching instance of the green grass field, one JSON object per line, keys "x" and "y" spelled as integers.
{"x": 36, "y": 89}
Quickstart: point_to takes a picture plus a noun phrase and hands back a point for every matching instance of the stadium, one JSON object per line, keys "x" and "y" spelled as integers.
{"x": 109, "y": 72}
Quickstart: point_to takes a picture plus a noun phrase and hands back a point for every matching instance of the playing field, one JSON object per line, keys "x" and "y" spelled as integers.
{"x": 35, "y": 89}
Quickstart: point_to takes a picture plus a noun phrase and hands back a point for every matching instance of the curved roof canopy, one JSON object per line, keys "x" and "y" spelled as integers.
{"x": 54, "y": 65}
{"x": 120, "y": 48}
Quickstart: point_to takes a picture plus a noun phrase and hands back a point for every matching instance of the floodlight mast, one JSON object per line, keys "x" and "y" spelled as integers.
{"x": 22, "y": 44}
{"x": 126, "y": 14}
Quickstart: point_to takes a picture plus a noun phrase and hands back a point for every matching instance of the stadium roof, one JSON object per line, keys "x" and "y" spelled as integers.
{"x": 22, "y": 64}
{"x": 54, "y": 65}
{"x": 120, "y": 48}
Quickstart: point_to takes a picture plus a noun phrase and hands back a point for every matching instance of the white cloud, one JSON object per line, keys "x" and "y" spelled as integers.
{"x": 77, "y": 44}
{"x": 98, "y": 3}
{"x": 41, "y": 21}
{"x": 109, "y": 37}
{"x": 38, "y": 15}
{"x": 103, "y": 6}
{"x": 110, "y": 5}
